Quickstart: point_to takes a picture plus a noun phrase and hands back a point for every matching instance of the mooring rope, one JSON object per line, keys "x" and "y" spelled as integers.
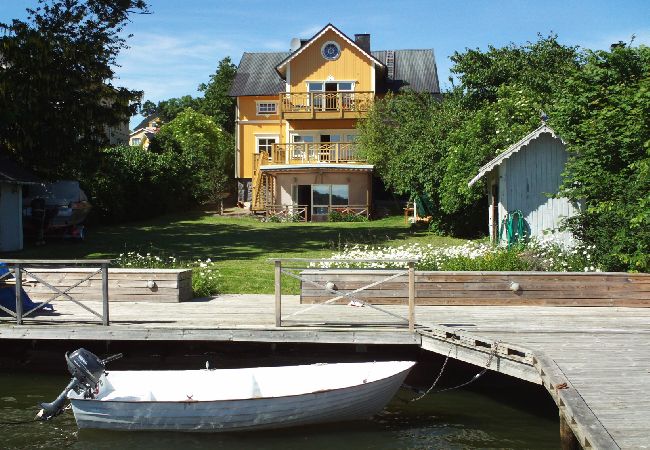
{"x": 473, "y": 379}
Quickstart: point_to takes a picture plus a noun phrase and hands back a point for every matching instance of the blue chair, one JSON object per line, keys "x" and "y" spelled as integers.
{"x": 8, "y": 295}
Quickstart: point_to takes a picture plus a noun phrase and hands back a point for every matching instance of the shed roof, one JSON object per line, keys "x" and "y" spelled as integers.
{"x": 514, "y": 148}
{"x": 10, "y": 172}
{"x": 414, "y": 69}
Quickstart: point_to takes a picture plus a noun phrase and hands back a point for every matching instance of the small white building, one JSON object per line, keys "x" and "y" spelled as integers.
{"x": 12, "y": 179}
{"x": 525, "y": 178}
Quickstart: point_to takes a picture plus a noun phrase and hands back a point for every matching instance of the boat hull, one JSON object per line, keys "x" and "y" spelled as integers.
{"x": 350, "y": 403}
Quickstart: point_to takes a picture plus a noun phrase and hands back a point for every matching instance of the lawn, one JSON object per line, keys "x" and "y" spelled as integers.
{"x": 240, "y": 246}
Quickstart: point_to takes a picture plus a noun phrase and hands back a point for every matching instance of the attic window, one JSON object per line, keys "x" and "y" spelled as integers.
{"x": 267, "y": 108}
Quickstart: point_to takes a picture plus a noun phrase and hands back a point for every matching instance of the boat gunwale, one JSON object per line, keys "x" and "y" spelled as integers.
{"x": 413, "y": 363}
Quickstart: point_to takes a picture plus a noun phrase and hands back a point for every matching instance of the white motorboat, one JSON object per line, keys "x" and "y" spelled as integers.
{"x": 233, "y": 399}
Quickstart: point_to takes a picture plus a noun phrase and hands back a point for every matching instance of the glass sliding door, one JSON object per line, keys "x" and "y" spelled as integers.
{"x": 320, "y": 195}
{"x": 328, "y": 196}
{"x": 340, "y": 195}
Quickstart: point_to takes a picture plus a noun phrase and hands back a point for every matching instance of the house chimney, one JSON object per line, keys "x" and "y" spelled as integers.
{"x": 363, "y": 41}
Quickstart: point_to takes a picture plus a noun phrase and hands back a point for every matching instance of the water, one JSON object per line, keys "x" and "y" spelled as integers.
{"x": 490, "y": 415}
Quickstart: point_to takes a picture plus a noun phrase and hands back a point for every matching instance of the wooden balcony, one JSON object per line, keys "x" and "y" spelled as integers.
{"x": 325, "y": 105}
{"x": 315, "y": 152}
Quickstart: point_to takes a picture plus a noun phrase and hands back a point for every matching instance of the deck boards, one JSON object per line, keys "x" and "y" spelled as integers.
{"x": 603, "y": 353}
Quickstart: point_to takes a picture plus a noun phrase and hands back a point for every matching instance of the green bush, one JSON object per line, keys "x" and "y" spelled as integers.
{"x": 131, "y": 183}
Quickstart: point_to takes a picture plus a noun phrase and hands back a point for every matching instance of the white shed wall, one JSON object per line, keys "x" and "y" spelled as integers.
{"x": 528, "y": 178}
{"x": 11, "y": 217}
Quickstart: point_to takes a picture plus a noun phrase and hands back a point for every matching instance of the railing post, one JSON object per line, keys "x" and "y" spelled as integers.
{"x": 278, "y": 293}
{"x": 19, "y": 298}
{"x": 337, "y": 151}
{"x": 411, "y": 296}
{"x": 105, "y": 318}
{"x": 312, "y": 106}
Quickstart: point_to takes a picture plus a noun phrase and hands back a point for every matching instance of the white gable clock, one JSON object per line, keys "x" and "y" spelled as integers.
{"x": 330, "y": 50}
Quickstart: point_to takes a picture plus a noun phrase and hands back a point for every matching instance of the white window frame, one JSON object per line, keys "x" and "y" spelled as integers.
{"x": 315, "y": 134}
{"x": 329, "y": 206}
{"x": 265, "y": 136}
{"x": 322, "y": 82}
{"x": 258, "y": 106}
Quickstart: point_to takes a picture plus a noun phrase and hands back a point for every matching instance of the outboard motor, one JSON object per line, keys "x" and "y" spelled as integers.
{"x": 86, "y": 369}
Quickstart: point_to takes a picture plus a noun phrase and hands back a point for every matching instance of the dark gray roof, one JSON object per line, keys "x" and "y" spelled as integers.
{"x": 145, "y": 122}
{"x": 10, "y": 172}
{"x": 256, "y": 75}
{"x": 414, "y": 69}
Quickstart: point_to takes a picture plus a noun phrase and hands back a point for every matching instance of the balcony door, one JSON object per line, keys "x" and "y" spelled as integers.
{"x": 330, "y": 96}
{"x": 327, "y": 150}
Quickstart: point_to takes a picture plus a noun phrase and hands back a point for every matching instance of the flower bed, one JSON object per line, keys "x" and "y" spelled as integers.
{"x": 205, "y": 276}
{"x": 547, "y": 254}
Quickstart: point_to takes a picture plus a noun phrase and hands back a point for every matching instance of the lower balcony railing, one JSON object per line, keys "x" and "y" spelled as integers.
{"x": 315, "y": 152}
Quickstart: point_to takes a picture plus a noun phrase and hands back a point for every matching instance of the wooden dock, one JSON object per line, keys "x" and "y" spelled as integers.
{"x": 594, "y": 361}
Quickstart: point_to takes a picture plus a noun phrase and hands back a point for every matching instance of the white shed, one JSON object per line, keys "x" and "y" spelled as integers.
{"x": 12, "y": 179}
{"x": 525, "y": 177}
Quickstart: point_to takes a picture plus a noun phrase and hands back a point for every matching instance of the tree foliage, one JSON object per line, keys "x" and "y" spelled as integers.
{"x": 204, "y": 148}
{"x": 603, "y": 113}
{"x": 131, "y": 183}
{"x": 56, "y": 91}
{"x": 216, "y": 102}
{"x": 420, "y": 145}
{"x": 599, "y": 102}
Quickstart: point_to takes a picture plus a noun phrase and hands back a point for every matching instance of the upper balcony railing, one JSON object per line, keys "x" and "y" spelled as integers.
{"x": 325, "y": 105}
{"x": 315, "y": 152}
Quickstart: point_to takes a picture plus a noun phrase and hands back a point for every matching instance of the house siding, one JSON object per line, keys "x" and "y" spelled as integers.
{"x": 352, "y": 65}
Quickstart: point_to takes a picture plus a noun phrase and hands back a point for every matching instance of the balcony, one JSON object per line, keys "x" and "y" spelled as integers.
{"x": 315, "y": 152}
{"x": 325, "y": 105}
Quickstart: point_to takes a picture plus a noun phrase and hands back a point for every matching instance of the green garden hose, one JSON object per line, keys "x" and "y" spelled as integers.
{"x": 515, "y": 227}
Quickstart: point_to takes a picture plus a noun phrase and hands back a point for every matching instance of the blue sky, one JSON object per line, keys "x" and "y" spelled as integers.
{"x": 179, "y": 45}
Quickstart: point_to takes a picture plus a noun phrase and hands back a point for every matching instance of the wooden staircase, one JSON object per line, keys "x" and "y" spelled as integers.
{"x": 263, "y": 184}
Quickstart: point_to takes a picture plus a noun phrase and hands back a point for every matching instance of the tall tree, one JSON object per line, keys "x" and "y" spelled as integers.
{"x": 603, "y": 113}
{"x": 170, "y": 108}
{"x": 56, "y": 91}
{"x": 435, "y": 148}
{"x": 148, "y": 108}
{"x": 216, "y": 102}
{"x": 204, "y": 147}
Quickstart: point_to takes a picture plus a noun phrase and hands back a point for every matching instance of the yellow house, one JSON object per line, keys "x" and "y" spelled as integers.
{"x": 296, "y": 120}
{"x": 144, "y": 131}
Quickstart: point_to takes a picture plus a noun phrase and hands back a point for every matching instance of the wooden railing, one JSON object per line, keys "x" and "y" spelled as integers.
{"x": 286, "y": 213}
{"x": 20, "y": 271}
{"x": 315, "y": 152}
{"x": 296, "y": 267}
{"x": 356, "y": 210}
{"x": 314, "y": 103}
